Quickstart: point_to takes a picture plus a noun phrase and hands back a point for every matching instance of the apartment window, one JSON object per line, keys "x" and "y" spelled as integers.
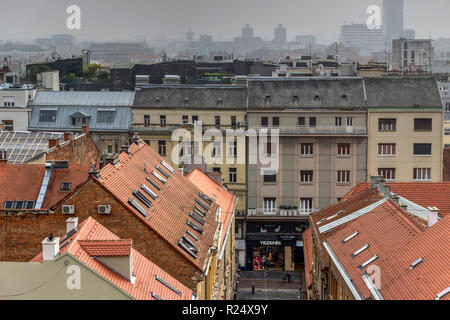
{"x": 147, "y": 120}
{"x": 270, "y": 205}
{"x": 387, "y": 124}
{"x": 312, "y": 121}
{"x": 423, "y": 124}
{"x": 232, "y": 148}
{"x": 217, "y": 149}
{"x": 232, "y": 175}
{"x": 422, "y": 174}
{"x": 301, "y": 121}
{"x": 8, "y": 125}
{"x": 307, "y": 149}
{"x": 343, "y": 176}
{"x": 239, "y": 229}
{"x": 386, "y": 149}
{"x": 184, "y": 119}
{"x": 343, "y": 149}
{"x": 162, "y": 147}
{"x": 194, "y": 119}
{"x": 447, "y": 131}
{"x": 349, "y": 122}
{"x": 270, "y": 176}
{"x": 422, "y": 149}
{"x": 338, "y": 121}
{"x": 306, "y": 205}
{"x": 147, "y": 142}
{"x": 217, "y": 121}
{"x": 9, "y": 101}
{"x": 216, "y": 169}
{"x": 306, "y": 176}
{"x": 106, "y": 116}
{"x": 233, "y": 121}
{"x": 162, "y": 120}
{"x": 110, "y": 149}
{"x": 387, "y": 173}
{"x": 47, "y": 115}
{"x": 264, "y": 121}
{"x": 276, "y": 121}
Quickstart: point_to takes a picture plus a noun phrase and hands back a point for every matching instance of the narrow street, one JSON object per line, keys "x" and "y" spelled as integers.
{"x": 270, "y": 285}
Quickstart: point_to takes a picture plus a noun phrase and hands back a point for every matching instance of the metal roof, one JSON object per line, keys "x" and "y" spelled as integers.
{"x": 83, "y": 98}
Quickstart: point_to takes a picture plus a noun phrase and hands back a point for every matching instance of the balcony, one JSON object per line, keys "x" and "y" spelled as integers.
{"x": 279, "y": 213}
{"x": 317, "y": 130}
{"x": 172, "y": 127}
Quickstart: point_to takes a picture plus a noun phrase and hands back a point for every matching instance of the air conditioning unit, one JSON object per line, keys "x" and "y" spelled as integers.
{"x": 104, "y": 209}
{"x": 68, "y": 209}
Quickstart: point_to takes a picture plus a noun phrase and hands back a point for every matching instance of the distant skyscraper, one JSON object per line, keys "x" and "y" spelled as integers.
{"x": 247, "y": 32}
{"x": 393, "y": 19}
{"x": 280, "y": 36}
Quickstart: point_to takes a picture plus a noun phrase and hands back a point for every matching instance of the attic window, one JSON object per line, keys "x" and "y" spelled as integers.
{"x": 163, "y": 172}
{"x": 197, "y": 218}
{"x": 155, "y": 296}
{"x": 153, "y": 184}
{"x": 149, "y": 192}
{"x": 168, "y": 285}
{"x": 137, "y": 206}
{"x": 167, "y": 166}
{"x": 375, "y": 257}
{"x": 66, "y": 186}
{"x": 192, "y": 235}
{"x": 415, "y": 263}
{"x": 219, "y": 103}
{"x": 142, "y": 198}
{"x": 188, "y": 248}
{"x": 204, "y": 206}
{"x": 157, "y": 175}
{"x": 268, "y": 99}
{"x": 359, "y": 251}
{"x": 194, "y": 226}
{"x": 350, "y": 237}
{"x": 316, "y": 98}
{"x": 186, "y": 101}
{"x": 295, "y": 100}
{"x": 157, "y": 101}
{"x": 344, "y": 98}
{"x": 206, "y": 198}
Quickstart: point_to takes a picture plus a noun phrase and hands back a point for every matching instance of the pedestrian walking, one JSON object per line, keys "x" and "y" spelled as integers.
{"x": 253, "y": 288}
{"x": 288, "y": 275}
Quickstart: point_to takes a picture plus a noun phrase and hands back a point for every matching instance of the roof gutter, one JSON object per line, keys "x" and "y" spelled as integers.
{"x": 342, "y": 271}
{"x": 228, "y": 230}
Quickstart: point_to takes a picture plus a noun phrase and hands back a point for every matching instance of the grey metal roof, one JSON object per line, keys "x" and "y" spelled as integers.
{"x": 83, "y": 98}
{"x": 22, "y": 146}
{"x": 191, "y": 96}
{"x": 122, "y": 118}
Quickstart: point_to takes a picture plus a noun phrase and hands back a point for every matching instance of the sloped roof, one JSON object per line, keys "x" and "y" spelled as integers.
{"x": 79, "y": 245}
{"x": 225, "y": 199}
{"x": 308, "y": 252}
{"x": 23, "y": 182}
{"x": 107, "y": 248}
{"x": 83, "y": 98}
{"x": 170, "y": 212}
{"x": 426, "y": 194}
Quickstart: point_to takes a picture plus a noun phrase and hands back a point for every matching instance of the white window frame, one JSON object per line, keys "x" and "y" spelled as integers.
{"x": 270, "y": 205}
{"x": 343, "y": 176}
{"x": 307, "y": 149}
{"x": 387, "y": 173}
{"x": 422, "y": 174}
{"x": 387, "y": 149}
{"x": 306, "y": 205}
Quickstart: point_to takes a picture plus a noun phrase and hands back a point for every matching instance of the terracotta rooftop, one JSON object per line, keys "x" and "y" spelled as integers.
{"x": 426, "y": 194}
{"x": 225, "y": 199}
{"x": 308, "y": 251}
{"x": 23, "y": 182}
{"x": 145, "y": 287}
{"x": 375, "y": 234}
{"x": 178, "y": 201}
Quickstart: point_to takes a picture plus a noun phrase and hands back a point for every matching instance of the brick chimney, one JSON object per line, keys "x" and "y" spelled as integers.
{"x": 67, "y": 136}
{"x": 71, "y": 224}
{"x": 3, "y": 157}
{"x": 85, "y": 129}
{"x": 433, "y": 216}
{"x": 1, "y": 126}
{"x": 50, "y": 248}
{"x": 53, "y": 143}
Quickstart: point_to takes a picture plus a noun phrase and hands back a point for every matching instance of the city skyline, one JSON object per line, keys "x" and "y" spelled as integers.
{"x": 202, "y": 17}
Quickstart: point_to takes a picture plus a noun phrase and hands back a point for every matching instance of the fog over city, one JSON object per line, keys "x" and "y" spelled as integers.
{"x": 114, "y": 19}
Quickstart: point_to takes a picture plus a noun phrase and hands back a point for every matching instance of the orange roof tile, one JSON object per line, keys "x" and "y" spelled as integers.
{"x": 308, "y": 252}
{"x": 90, "y": 231}
{"x": 169, "y": 213}
{"x": 107, "y": 248}
{"x": 383, "y": 229}
{"x": 225, "y": 199}
{"x": 22, "y": 182}
{"x": 425, "y": 194}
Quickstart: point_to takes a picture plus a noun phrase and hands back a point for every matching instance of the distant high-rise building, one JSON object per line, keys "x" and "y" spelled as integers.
{"x": 360, "y": 36}
{"x": 247, "y": 32}
{"x": 280, "y": 36}
{"x": 305, "y": 40}
{"x": 393, "y": 19}
{"x": 409, "y": 55}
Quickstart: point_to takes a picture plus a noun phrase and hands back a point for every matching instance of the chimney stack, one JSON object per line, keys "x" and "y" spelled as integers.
{"x": 433, "y": 216}
{"x": 3, "y": 157}
{"x": 50, "y": 248}
{"x": 71, "y": 224}
{"x": 67, "y": 136}
{"x": 53, "y": 143}
{"x": 85, "y": 129}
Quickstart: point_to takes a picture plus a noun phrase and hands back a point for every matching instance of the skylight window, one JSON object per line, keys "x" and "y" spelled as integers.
{"x": 415, "y": 263}
{"x": 155, "y": 296}
{"x": 359, "y": 251}
{"x": 163, "y": 172}
{"x": 158, "y": 176}
{"x": 350, "y": 237}
{"x": 153, "y": 184}
{"x": 191, "y": 243}
{"x": 206, "y": 198}
{"x": 197, "y": 218}
{"x": 66, "y": 186}
{"x": 189, "y": 249}
{"x": 368, "y": 261}
{"x": 137, "y": 206}
{"x": 197, "y": 209}
{"x": 443, "y": 293}
{"x": 167, "y": 166}
{"x": 149, "y": 192}
{"x": 204, "y": 206}
{"x": 142, "y": 198}
{"x": 194, "y": 226}
{"x": 192, "y": 235}
{"x": 200, "y": 213}
{"x": 178, "y": 292}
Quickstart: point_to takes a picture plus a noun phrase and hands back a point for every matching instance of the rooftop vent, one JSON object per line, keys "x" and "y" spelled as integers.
{"x": 415, "y": 263}
{"x": 359, "y": 251}
{"x": 350, "y": 237}
{"x": 443, "y": 293}
{"x": 375, "y": 257}
{"x": 168, "y": 285}
{"x": 71, "y": 224}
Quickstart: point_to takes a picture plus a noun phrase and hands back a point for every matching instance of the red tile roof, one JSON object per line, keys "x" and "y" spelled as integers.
{"x": 107, "y": 248}
{"x": 384, "y": 229}
{"x": 308, "y": 253}
{"x": 225, "y": 199}
{"x": 425, "y": 194}
{"x": 22, "y": 182}
{"x": 145, "y": 284}
{"x": 170, "y": 212}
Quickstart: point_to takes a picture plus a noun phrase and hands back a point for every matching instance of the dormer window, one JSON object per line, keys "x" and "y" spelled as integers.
{"x": 157, "y": 101}
{"x": 316, "y": 98}
{"x": 186, "y": 101}
{"x": 344, "y": 99}
{"x": 106, "y": 116}
{"x": 268, "y": 99}
{"x": 79, "y": 119}
{"x": 295, "y": 100}
{"x": 219, "y": 103}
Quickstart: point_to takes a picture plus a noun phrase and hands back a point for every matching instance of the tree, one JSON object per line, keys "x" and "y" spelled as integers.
{"x": 35, "y": 70}
{"x": 96, "y": 71}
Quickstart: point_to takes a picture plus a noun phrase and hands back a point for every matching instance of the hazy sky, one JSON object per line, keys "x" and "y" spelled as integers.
{"x": 223, "y": 19}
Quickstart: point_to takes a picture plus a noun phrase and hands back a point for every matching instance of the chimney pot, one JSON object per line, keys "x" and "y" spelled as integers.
{"x": 67, "y": 136}
{"x": 53, "y": 143}
{"x": 85, "y": 129}
{"x": 50, "y": 248}
{"x": 71, "y": 224}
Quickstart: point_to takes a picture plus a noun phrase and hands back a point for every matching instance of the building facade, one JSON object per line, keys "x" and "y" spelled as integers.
{"x": 14, "y": 110}
{"x": 412, "y": 56}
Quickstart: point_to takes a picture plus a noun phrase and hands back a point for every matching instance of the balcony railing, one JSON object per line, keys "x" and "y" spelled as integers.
{"x": 172, "y": 127}
{"x": 297, "y": 130}
{"x": 279, "y": 212}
